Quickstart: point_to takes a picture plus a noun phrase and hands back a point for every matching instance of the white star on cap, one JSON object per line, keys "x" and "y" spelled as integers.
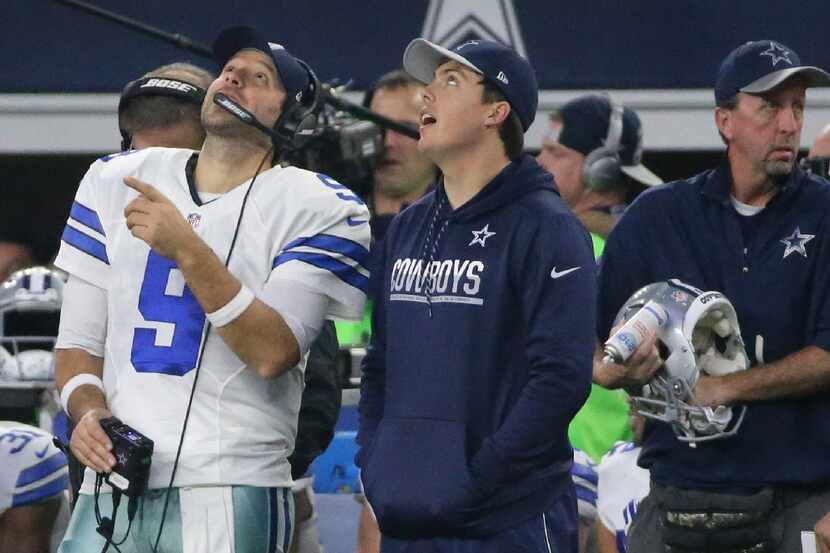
{"x": 481, "y": 236}
{"x": 796, "y": 242}
{"x": 782, "y": 56}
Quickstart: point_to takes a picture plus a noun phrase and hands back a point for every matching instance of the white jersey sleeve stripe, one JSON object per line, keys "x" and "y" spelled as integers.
{"x": 85, "y": 243}
{"x": 42, "y": 493}
{"x": 87, "y": 217}
{"x": 42, "y": 469}
{"x": 344, "y": 272}
{"x": 335, "y": 244}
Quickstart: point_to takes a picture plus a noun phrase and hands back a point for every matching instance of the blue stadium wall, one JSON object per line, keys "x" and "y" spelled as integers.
{"x": 636, "y": 44}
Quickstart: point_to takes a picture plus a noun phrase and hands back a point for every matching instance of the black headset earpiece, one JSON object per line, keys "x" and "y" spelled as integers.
{"x": 155, "y": 86}
{"x": 819, "y": 166}
{"x": 369, "y": 95}
{"x": 601, "y": 169}
{"x": 298, "y": 121}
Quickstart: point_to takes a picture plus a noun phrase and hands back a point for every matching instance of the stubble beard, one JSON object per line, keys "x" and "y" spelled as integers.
{"x": 776, "y": 168}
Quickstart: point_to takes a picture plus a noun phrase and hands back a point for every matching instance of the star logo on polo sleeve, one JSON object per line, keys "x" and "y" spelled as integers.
{"x": 777, "y": 53}
{"x": 481, "y": 236}
{"x": 796, "y": 242}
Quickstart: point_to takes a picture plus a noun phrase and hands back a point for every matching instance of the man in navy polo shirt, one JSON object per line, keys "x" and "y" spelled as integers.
{"x": 757, "y": 229}
{"x": 482, "y": 343}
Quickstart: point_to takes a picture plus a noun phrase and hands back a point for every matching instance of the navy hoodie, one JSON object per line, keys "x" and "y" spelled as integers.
{"x": 480, "y": 357}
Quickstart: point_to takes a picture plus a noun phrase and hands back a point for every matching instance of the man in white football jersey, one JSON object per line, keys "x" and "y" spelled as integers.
{"x": 622, "y": 484}
{"x": 584, "y": 476}
{"x": 33, "y": 484}
{"x": 214, "y": 263}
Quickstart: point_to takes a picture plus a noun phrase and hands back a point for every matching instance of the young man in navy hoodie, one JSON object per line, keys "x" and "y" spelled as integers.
{"x": 482, "y": 344}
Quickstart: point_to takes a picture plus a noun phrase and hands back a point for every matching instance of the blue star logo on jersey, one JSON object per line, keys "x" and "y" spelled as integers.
{"x": 796, "y": 242}
{"x": 481, "y": 236}
{"x": 777, "y": 53}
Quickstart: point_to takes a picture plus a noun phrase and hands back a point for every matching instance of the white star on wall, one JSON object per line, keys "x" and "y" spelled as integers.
{"x": 796, "y": 242}
{"x": 448, "y": 22}
{"x": 481, "y": 236}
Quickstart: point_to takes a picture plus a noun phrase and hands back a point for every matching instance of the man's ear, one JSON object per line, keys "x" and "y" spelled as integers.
{"x": 499, "y": 112}
{"x": 723, "y": 120}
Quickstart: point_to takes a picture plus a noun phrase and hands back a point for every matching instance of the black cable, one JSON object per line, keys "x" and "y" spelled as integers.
{"x": 177, "y": 39}
{"x": 186, "y": 43}
{"x": 106, "y": 526}
{"x": 208, "y": 326}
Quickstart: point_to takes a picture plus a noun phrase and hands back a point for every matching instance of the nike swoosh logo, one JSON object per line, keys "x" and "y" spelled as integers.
{"x": 355, "y": 222}
{"x": 554, "y": 274}
{"x": 42, "y": 454}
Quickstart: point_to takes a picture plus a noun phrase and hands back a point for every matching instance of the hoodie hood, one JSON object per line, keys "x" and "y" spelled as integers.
{"x": 517, "y": 179}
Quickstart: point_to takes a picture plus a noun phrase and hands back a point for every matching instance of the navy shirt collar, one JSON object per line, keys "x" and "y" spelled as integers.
{"x": 718, "y": 184}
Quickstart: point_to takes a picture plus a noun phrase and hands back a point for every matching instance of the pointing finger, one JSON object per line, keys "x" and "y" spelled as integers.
{"x": 145, "y": 189}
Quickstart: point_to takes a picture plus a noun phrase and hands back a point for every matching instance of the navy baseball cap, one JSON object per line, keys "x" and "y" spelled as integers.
{"x": 294, "y": 77}
{"x": 585, "y": 121}
{"x": 499, "y": 64}
{"x": 762, "y": 65}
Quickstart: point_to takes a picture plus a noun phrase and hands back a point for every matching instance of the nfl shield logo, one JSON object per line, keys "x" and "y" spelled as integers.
{"x": 194, "y": 219}
{"x": 680, "y": 297}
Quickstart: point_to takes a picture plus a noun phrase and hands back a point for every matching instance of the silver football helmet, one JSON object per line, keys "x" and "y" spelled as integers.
{"x": 30, "y": 303}
{"x": 701, "y": 334}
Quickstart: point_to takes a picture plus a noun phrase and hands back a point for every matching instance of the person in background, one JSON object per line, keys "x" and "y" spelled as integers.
{"x": 622, "y": 485}
{"x": 821, "y": 145}
{"x": 593, "y": 148}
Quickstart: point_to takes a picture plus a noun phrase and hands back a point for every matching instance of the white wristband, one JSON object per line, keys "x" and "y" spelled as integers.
{"x": 233, "y": 309}
{"x": 73, "y": 383}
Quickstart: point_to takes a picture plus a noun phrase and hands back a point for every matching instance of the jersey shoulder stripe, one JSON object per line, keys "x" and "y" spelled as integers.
{"x": 344, "y": 272}
{"x": 586, "y": 494}
{"x": 87, "y": 217}
{"x": 334, "y": 244}
{"x": 586, "y": 473}
{"x": 42, "y": 469}
{"x": 85, "y": 243}
{"x": 42, "y": 493}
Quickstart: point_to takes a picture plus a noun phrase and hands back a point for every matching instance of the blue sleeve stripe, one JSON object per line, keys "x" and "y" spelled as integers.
{"x": 344, "y": 272}
{"x": 288, "y": 529}
{"x": 41, "y": 470}
{"x": 585, "y": 472}
{"x": 334, "y": 244}
{"x": 86, "y": 244}
{"x": 86, "y": 217}
{"x": 584, "y": 494}
{"x": 42, "y": 493}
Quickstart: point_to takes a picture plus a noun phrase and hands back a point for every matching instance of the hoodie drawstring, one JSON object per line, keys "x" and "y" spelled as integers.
{"x": 429, "y": 280}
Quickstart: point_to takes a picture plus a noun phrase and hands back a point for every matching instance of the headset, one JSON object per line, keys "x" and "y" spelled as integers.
{"x": 601, "y": 169}
{"x": 297, "y": 123}
{"x": 155, "y": 86}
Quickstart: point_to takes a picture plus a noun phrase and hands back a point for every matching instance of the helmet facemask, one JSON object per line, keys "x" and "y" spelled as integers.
{"x": 30, "y": 303}
{"x": 701, "y": 334}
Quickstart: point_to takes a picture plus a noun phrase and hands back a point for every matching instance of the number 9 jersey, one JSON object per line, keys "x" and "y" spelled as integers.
{"x": 299, "y": 230}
